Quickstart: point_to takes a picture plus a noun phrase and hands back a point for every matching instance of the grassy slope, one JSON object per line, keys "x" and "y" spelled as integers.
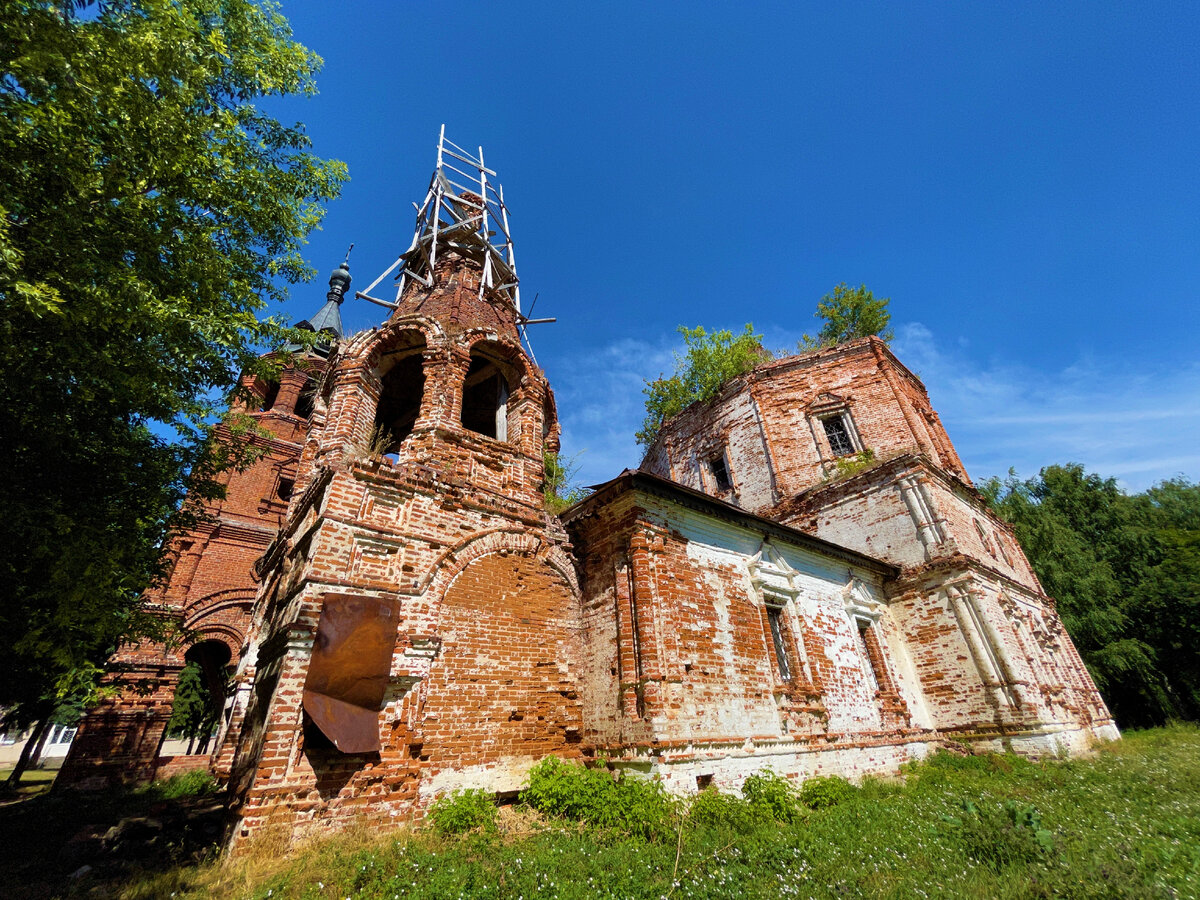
{"x": 1125, "y": 823}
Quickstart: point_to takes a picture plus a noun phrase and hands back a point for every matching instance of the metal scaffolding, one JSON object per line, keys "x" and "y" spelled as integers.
{"x": 463, "y": 210}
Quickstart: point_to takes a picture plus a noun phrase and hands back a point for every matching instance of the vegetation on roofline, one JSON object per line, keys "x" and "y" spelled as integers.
{"x": 714, "y": 358}
{"x": 849, "y": 313}
{"x": 711, "y": 361}
{"x": 559, "y": 487}
{"x": 1120, "y": 824}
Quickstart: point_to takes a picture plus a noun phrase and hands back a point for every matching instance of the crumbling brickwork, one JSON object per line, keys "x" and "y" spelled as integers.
{"x": 842, "y": 443}
{"x": 422, "y": 502}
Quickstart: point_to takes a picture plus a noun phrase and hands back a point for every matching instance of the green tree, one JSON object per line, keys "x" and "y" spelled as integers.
{"x": 849, "y": 313}
{"x": 711, "y": 361}
{"x": 559, "y": 489}
{"x": 1126, "y": 573}
{"x": 149, "y": 211}
{"x": 195, "y": 710}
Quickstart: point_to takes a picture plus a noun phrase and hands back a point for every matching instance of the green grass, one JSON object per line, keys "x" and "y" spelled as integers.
{"x": 1123, "y": 823}
{"x": 33, "y": 781}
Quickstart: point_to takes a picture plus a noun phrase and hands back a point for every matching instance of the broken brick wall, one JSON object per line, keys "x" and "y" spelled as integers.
{"x": 769, "y": 424}
{"x": 441, "y": 525}
{"x": 681, "y": 665}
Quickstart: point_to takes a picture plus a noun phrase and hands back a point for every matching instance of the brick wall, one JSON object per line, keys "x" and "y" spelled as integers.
{"x": 208, "y": 592}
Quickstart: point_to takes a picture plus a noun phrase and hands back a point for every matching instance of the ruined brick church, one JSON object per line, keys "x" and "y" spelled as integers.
{"x": 799, "y": 576}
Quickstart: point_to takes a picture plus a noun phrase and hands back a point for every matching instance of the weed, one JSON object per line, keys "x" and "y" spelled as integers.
{"x": 1002, "y": 836}
{"x": 461, "y": 811}
{"x": 600, "y": 798}
{"x": 773, "y": 796}
{"x": 196, "y": 783}
{"x": 711, "y": 808}
{"x": 845, "y": 466}
{"x": 825, "y": 791}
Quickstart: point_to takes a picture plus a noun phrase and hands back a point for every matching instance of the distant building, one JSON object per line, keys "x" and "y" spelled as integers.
{"x": 800, "y": 576}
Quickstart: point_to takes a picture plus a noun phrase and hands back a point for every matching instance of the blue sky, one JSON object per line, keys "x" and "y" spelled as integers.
{"x": 1023, "y": 181}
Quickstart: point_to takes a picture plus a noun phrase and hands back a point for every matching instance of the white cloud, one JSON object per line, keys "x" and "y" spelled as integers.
{"x": 1119, "y": 418}
{"x": 601, "y": 405}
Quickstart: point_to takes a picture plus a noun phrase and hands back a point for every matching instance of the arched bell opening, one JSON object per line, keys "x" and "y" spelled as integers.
{"x": 270, "y": 395}
{"x": 307, "y": 400}
{"x": 486, "y": 391}
{"x": 402, "y": 391}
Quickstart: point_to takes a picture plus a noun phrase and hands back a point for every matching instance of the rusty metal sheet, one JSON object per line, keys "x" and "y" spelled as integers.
{"x": 348, "y": 674}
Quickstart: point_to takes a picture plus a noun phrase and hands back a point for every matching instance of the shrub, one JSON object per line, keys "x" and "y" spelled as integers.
{"x": 712, "y": 808}
{"x": 773, "y": 796}
{"x": 845, "y": 466}
{"x": 1000, "y": 837}
{"x": 825, "y": 791}
{"x": 712, "y": 360}
{"x": 598, "y": 797}
{"x": 461, "y": 811}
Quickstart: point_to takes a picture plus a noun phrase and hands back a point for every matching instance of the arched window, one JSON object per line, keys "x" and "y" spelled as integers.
{"x": 271, "y": 396}
{"x": 403, "y": 384}
{"x": 307, "y": 399}
{"x": 485, "y": 398}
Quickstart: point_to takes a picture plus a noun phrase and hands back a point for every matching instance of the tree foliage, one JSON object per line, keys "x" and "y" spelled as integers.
{"x": 711, "y": 361}
{"x": 559, "y": 488}
{"x": 195, "y": 710}
{"x": 148, "y": 213}
{"x": 849, "y": 313}
{"x": 1125, "y": 570}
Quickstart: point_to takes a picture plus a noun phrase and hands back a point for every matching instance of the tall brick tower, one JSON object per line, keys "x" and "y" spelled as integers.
{"x": 210, "y": 590}
{"x": 418, "y": 606}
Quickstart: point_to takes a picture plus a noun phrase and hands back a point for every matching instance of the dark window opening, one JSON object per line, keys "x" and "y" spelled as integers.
{"x": 400, "y": 402}
{"x": 271, "y": 396}
{"x": 839, "y": 436}
{"x": 308, "y": 398}
{"x": 284, "y": 489}
{"x": 869, "y": 652}
{"x": 485, "y": 399}
{"x": 720, "y": 473}
{"x": 775, "y": 619}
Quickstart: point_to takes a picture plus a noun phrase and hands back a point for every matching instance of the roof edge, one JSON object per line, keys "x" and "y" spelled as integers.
{"x": 636, "y": 480}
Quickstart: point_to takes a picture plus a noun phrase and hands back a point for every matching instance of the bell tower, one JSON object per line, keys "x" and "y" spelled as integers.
{"x": 419, "y": 609}
{"x": 209, "y": 590}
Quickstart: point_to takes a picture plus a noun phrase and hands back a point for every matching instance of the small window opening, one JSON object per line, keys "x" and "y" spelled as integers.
{"x": 400, "y": 401}
{"x": 485, "y": 399}
{"x": 308, "y": 398}
{"x": 704, "y": 782}
{"x": 864, "y": 646}
{"x": 285, "y": 487}
{"x": 983, "y": 538}
{"x": 720, "y": 473}
{"x": 840, "y": 441}
{"x": 775, "y": 619}
{"x": 271, "y": 396}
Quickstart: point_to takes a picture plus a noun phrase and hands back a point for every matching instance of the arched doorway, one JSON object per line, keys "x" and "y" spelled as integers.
{"x": 196, "y": 712}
